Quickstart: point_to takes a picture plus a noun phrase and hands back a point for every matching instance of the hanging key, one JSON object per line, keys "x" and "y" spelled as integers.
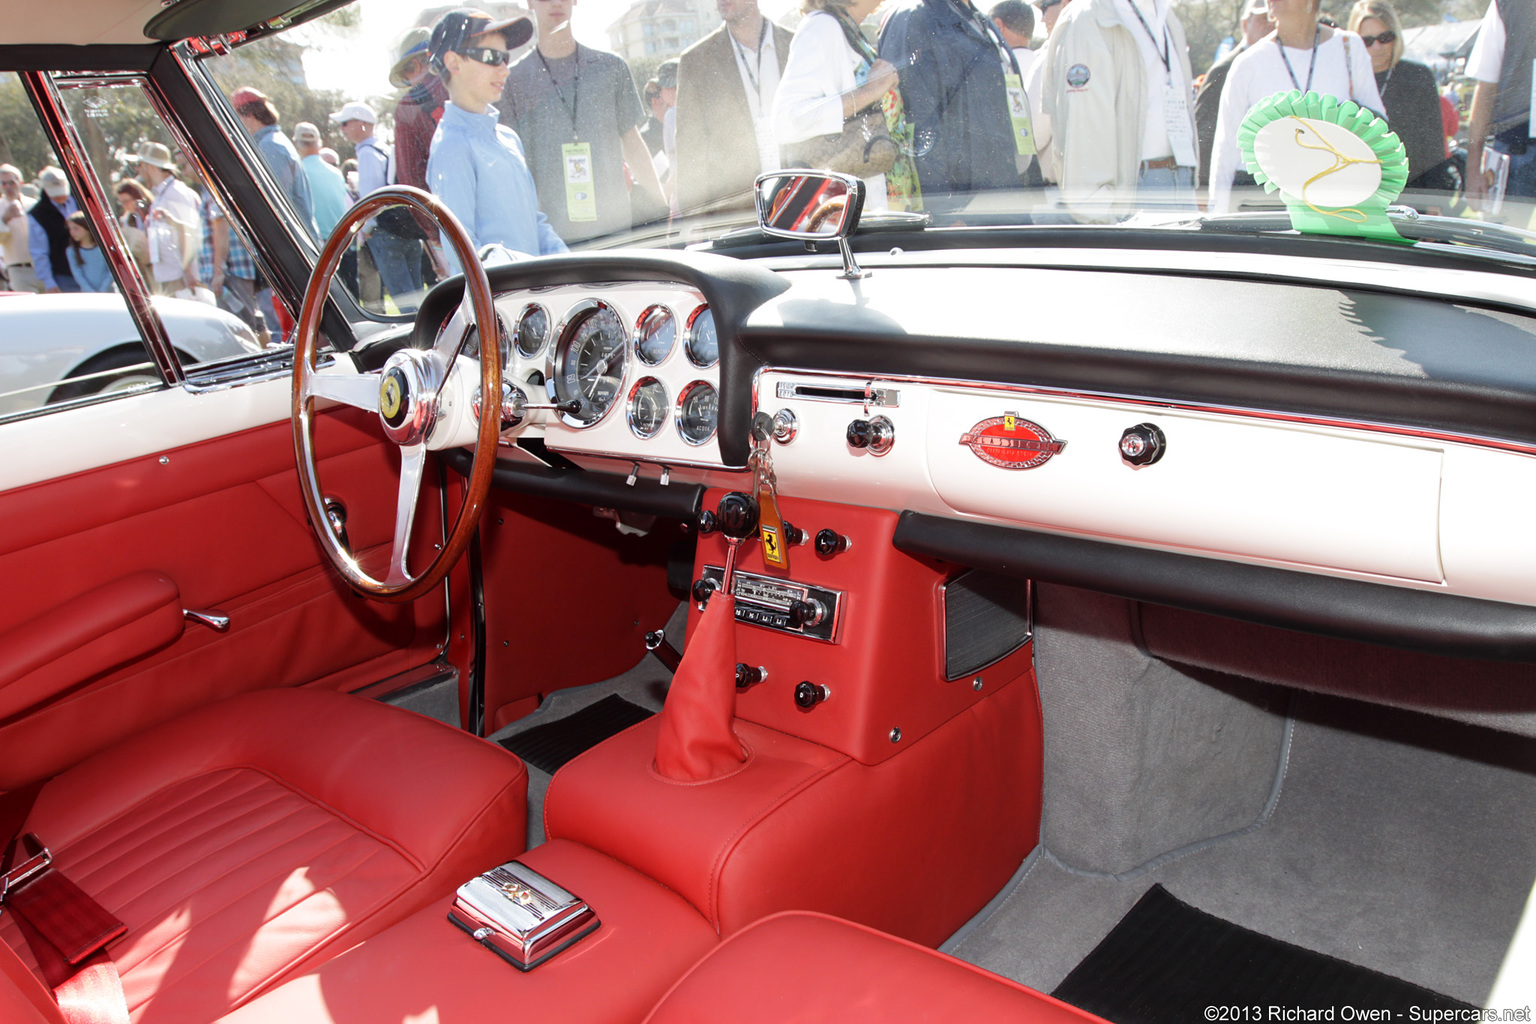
{"x": 765, "y": 487}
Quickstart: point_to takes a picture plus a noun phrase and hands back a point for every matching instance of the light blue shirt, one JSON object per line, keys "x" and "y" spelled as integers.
{"x": 37, "y": 242}
{"x": 477, "y": 169}
{"x": 90, "y": 269}
{"x": 328, "y": 189}
{"x": 283, "y": 159}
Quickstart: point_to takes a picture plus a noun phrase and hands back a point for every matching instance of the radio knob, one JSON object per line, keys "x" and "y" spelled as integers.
{"x": 809, "y": 694}
{"x": 809, "y": 612}
{"x": 878, "y": 435}
{"x": 702, "y": 589}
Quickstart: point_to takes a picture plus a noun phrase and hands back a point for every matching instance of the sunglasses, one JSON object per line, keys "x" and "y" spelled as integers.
{"x": 1385, "y": 39}
{"x": 486, "y": 55}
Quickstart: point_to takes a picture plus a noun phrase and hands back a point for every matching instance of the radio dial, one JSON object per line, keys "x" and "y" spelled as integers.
{"x": 809, "y": 612}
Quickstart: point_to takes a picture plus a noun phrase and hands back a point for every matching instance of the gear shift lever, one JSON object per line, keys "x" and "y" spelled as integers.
{"x": 737, "y": 518}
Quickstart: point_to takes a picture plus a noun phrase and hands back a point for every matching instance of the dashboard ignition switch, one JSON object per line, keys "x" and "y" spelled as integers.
{"x": 1142, "y": 444}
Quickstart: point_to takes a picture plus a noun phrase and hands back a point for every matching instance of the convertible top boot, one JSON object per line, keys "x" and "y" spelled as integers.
{"x": 696, "y": 742}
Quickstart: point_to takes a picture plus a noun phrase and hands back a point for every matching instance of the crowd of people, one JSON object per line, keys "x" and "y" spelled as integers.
{"x": 944, "y": 101}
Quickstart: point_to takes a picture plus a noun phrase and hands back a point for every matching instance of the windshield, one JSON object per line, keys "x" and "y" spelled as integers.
{"x": 605, "y": 122}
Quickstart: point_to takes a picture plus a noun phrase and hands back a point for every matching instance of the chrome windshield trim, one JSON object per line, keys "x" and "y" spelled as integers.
{"x": 67, "y": 143}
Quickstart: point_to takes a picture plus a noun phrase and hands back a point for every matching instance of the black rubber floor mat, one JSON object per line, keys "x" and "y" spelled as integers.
{"x": 547, "y": 747}
{"x": 1168, "y": 963}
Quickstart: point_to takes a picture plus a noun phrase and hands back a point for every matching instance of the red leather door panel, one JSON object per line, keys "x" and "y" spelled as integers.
{"x": 222, "y": 519}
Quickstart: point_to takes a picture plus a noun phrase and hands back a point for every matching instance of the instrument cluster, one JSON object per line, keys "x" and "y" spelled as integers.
{"x": 624, "y": 370}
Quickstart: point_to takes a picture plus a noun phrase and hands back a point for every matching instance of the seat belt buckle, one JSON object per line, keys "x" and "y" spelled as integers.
{"x": 38, "y": 859}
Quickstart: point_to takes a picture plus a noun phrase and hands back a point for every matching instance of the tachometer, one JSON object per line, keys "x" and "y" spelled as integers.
{"x": 647, "y": 407}
{"x": 703, "y": 344}
{"x": 470, "y": 346}
{"x": 698, "y": 412}
{"x": 655, "y": 334}
{"x": 589, "y": 361}
{"x": 532, "y": 329}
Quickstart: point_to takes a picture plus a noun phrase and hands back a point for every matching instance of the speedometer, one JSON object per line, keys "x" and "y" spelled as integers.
{"x": 588, "y": 365}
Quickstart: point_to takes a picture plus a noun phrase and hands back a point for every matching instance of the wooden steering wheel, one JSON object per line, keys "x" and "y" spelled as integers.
{"x": 416, "y": 395}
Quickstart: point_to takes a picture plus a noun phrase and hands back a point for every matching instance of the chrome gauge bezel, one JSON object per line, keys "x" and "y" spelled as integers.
{"x": 469, "y": 342}
{"x": 691, "y": 337}
{"x": 682, "y": 400}
{"x": 639, "y": 338}
{"x": 560, "y": 351}
{"x": 528, "y": 310}
{"x": 629, "y": 407}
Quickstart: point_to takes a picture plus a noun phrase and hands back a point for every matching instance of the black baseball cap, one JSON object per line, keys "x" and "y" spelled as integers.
{"x": 462, "y": 24}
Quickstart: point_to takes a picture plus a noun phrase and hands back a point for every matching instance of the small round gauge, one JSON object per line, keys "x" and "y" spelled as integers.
{"x": 588, "y": 366}
{"x": 647, "y": 407}
{"x": 655, "y": 334}
{"x": 532, "y": 329}
{"x": 703, "y": 344}
{"x": 698, "y": 412}
{"x": 471, "y": 344}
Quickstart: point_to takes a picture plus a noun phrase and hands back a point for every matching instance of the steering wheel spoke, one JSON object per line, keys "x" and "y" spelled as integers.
{"x": 413, "y": 459}
{"x": 404, "y": 397}
{"x": 359, "y": 390}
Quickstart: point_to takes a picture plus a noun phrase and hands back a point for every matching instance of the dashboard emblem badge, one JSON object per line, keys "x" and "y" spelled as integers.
{"x": 392, "y": 397}
{"x": 1010, "y": 441}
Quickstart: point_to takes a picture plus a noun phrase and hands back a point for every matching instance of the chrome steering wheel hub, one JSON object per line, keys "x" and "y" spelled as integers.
{"x": 409, "y": 389}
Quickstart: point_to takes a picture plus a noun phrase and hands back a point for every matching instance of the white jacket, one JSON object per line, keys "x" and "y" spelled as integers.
{"x": 1095, "y": 94}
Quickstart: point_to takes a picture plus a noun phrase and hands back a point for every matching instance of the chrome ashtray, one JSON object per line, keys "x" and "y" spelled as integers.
{"x": 520, "y": 915}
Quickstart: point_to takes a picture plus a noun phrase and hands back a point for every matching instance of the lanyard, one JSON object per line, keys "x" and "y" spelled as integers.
{"x": 754, "y": 77}
{"x": 1166, "y": 55}
{"x": 1311, "y": 65}
{"x": 573, "y": 106}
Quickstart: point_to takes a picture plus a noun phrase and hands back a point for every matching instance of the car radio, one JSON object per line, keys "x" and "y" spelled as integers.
{"x": 799, "y": 609}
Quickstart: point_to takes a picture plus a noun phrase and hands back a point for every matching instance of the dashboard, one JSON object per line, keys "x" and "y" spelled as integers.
{"x": 1357, "y": 452}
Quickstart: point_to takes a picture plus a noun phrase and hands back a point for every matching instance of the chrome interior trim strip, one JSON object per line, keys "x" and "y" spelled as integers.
{"x": 1275, "y": 416}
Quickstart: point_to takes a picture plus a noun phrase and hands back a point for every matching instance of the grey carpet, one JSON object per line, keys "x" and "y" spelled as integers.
{"x": 1395, "y": 840}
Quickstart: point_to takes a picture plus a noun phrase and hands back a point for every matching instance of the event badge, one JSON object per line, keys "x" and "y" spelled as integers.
{"x": 1018, "y": 112}
{"x": 580, "y": 189}
{"x": 1176, "y": 118}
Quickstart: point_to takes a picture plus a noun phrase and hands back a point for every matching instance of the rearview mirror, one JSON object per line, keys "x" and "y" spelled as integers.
{"x": 809, "y": 205}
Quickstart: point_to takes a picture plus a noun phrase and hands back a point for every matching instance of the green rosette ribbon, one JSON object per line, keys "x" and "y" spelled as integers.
{"x": 1367, "y": 217}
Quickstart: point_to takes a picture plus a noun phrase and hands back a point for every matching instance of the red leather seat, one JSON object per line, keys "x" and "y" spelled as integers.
{"x": 253, "y": 838}
{"x": 811, "y": 968}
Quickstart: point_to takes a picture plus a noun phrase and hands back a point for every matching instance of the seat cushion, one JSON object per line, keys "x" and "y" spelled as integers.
{"x": 811, "y": 968}
{"x": 427, "y": 969}
{"x": 255, "y": 837}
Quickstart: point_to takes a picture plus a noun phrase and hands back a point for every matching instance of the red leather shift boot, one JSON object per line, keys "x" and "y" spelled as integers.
{"x": 696, "y": 742}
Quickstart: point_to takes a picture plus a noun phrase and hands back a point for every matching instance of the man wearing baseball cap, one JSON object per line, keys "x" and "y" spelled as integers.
{"x": 326, "y": 186}
{"x": 477, "y": 166}
{"x": 259, "y": 117}
{"x": 48, "y": 232}
{"x": 393, "y": 237}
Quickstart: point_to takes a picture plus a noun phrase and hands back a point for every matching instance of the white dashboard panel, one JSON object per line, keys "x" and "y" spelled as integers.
{"x": 613, "y": 434}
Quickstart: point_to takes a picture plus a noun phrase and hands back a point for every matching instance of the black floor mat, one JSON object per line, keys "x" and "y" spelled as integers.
{"x": 1166, "y": 963}
{"x": 547, "y": 747}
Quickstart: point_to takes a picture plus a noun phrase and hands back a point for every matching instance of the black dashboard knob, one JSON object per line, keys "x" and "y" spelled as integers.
{"x": 806, "y": 613}
{"x": 705, "y": 521}
{"x": 748, "y": 675}
{"x": 737, "y": 515}
{"x": 877, "y": 435}
{"x": 793, "y": 534}
{"x": 1142, "y": 444}
{"x": 808, "y": 695}
{"x": 702, "y": 589}
{"x": 830, "y": 542}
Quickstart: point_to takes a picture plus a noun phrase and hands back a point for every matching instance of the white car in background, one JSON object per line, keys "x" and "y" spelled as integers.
{"x": 54, "y": 348}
